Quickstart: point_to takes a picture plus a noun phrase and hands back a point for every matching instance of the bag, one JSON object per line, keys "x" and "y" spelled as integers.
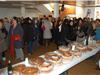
{"x": 43, "y": 27}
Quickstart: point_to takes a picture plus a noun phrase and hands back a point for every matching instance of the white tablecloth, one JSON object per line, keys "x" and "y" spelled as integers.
{"x": 65, "y": 66}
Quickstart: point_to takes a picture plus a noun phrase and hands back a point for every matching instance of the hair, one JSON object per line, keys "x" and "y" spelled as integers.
{"x": 5, "y": 18}
{"x": 15, "y": 18}
{"x": 44, "y": 16}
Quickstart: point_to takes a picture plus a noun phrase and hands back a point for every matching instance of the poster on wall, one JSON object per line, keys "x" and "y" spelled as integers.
{"x": 88, "y": 13}
{"x": 97, "y": 14}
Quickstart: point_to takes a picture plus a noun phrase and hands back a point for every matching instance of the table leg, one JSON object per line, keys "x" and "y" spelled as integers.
{"x": 65, "y": 73}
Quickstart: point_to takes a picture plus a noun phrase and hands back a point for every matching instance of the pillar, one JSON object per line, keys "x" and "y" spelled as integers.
{"x": 23, "y": 11}
{"x": 56, "y": 10}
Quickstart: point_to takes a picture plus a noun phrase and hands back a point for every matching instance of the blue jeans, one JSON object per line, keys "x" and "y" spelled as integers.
{"x": 19, "y": 53}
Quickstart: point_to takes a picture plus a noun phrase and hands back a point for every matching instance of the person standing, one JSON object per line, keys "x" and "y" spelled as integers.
{"x": 41, "y": 32}
{"x": 3, "y": 42}
{"x": 16, "y": 41}
{"x": 7, "y": 24}
{"x": 30, "y": 35}
{"x": 47, "y": 25}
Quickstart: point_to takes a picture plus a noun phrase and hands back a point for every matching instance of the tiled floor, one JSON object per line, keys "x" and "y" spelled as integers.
{"x": 87, "y": 67}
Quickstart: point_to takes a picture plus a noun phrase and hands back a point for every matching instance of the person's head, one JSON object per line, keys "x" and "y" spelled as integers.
{"x": 88, "y": 19}
{"x": 84, "y": 19}
{"x": 36, "y": 20}
{"x": 6, "y": 19}
{"x": 14, "y": 22}
{"x": 91, "y": 19}
{"x": 71, "y": 22}
{"x": 44, "y": 16}
{"x": 1, "y": 23}
{"x": 65, "y": 21}
{"x": 80, "y": 21}
{"x": 47, "y": 18}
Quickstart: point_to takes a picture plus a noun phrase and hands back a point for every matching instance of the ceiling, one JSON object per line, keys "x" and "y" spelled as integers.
{"x": 34, "y": 3}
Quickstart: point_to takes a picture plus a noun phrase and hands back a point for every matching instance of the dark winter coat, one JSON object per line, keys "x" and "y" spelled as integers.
{"x": 17, "y": 31}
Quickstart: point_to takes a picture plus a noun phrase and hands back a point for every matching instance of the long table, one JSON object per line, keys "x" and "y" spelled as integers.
{"x": 65, "y": 66}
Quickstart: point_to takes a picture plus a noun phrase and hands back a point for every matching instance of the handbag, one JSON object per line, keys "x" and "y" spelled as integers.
{"x": 43, "y": 27}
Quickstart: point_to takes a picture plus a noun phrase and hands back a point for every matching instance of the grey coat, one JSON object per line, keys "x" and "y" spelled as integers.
{"x": 47, "y": 32}
{"x": 4, "y": 42}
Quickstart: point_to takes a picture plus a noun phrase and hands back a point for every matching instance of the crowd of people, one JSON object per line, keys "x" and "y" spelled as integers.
{"x": 18, "y": 32}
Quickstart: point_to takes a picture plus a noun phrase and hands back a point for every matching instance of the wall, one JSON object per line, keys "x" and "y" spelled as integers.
{"x": 9, "y": 12}
{"x": 82, "y": 11}
{"x": 32, "y": 13}
{"x": 79, "y": 12}
{"x": 97, "y": 13}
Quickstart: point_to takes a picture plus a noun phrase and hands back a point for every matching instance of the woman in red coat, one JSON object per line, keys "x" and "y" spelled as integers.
{"x": 16, "y": 41}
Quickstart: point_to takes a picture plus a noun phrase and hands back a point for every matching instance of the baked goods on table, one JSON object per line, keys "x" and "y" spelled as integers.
{"x": 30, "y": 71}
{"x": 84, "y": 48}
{"x": 81, "y": 48}
{"x": 66, "y": 55}
{"x": 89, "y": 49}
{"x": 23, "y": 70}
{"x": 53, "y": 58}
{"x": 36, "y": 61}
{"x": 92, "y": 46}
{"x": 45, "y": 67}
{"x": 18, "y": 69}
{"x": 76, "y": 53}
{"x": 41, "y": 64}
{"x": 50, "y": 59}
{"x": 64, "y": 48}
